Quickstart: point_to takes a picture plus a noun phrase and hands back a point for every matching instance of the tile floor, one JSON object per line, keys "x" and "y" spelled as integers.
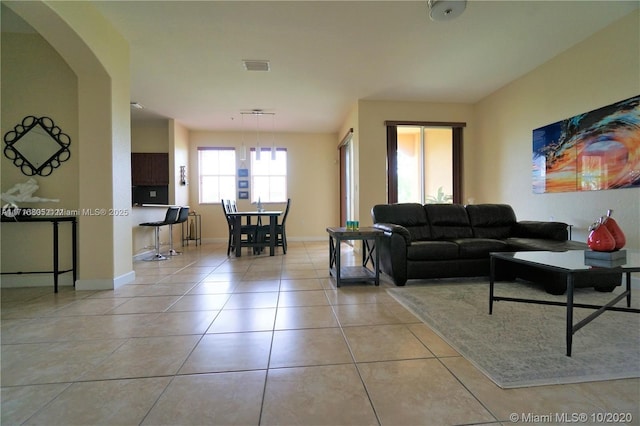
{"x": 203, "y": 339}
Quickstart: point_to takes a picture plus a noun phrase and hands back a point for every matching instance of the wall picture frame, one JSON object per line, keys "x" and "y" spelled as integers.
{"x": 243, "y": 195}
{"x": 592, "y": 151}
{"x": 243, "y": 172}
{"x": 243, "y": 184}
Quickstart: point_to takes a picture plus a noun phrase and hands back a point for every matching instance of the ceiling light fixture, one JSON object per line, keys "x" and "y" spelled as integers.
{"x": 243, "y": 147}
{"x": 273, "y": 138}
{"x": 445, "y": 10}
{"x": 256, "y": 65}
{"x": 257, "y": 113}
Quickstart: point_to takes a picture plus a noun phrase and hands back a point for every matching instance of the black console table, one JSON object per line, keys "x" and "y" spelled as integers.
{"x": 55, "y": 221}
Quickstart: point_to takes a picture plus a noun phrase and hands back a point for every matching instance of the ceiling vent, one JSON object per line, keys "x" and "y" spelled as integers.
{"x": 256, "y": 65}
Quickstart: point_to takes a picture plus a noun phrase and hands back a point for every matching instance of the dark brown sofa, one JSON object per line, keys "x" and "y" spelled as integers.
{"x": 452, "y": 240}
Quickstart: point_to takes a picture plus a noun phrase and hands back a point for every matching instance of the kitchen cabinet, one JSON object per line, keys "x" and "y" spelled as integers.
{"x": 149, "y": 168}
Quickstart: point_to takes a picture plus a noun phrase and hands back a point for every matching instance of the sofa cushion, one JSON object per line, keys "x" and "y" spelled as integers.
{"x": 409, "y": 215}
{"x": 419, "y": 233}
{"x": 432, "y": 250}
{"x": 478, "y": 248}
{"x": 448, "y": 221}
{"x": 491, "y": 220}
{"x": 405, "y": 214}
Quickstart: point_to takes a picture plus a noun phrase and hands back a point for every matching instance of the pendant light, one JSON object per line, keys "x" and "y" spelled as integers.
{"x": 243, "y": 147}
{"x": 257, "y": 113}
{"x": 273, "y": 137}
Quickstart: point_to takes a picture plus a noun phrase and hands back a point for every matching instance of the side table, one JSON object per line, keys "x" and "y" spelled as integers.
{"x": 194, "y": 229}
{"x": 354, "y": 273}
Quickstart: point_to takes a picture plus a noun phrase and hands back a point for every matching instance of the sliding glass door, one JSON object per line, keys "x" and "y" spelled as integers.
{"x": 424, "y": 162}
{"x": 346, "y": 178}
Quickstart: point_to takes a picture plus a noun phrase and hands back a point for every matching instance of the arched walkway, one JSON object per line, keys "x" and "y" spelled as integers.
{"x": 99, "y": 56}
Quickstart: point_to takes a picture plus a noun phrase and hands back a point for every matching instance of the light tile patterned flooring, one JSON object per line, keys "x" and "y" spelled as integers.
{"x": 203, "y": 339}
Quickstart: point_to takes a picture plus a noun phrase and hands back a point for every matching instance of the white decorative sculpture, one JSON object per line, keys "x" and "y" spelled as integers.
{"x": 23, "y": 193}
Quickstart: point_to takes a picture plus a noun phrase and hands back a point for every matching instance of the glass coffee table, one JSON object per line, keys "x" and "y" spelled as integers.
{"x": 572, "y": 264}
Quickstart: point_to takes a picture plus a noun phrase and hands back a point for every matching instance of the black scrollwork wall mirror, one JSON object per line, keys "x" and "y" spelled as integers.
{"x": 37, "y": 146}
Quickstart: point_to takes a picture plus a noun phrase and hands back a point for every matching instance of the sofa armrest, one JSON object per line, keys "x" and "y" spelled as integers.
{"x": 546, "y": 230}
{"x": 392, "y": 228}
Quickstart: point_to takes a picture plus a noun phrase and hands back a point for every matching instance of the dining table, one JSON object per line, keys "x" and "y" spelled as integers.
{"x": 237, "y": 229}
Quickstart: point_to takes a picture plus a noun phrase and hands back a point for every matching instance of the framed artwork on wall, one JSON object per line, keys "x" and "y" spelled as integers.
{"x": 243, "y": 172}
{"x": 243, "y": 195}
{"x": 593, "y": 151}
{"x": 243, "y": 184}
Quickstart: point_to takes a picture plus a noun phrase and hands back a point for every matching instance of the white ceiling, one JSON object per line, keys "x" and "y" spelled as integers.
{"x": 186, "y": 56}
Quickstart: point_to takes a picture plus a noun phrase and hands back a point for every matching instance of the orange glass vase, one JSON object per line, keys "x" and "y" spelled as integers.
{"x": 614, "y": 230}
{"x": 600, "y": 239}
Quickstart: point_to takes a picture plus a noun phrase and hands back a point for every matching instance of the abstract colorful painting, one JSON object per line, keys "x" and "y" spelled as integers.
{"x": 593, "y": 151}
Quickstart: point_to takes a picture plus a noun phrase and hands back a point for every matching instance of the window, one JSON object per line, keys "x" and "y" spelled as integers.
{"x": 269, "y": 176}
{"x": 217, "y": 168}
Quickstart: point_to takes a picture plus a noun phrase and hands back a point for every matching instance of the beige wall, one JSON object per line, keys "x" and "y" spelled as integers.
{"x": 150, "y": 136}
{"x": 372, "y": 154}
{"x": 39, "y": 83}
{"x": 313, "y": 170}
{"x": 178, "y": 156}
{"x": 99, "y": 57}
{"x": 497, "y": 139}
{"x": 160, "y": 136}
{"x": 599, "y": 71}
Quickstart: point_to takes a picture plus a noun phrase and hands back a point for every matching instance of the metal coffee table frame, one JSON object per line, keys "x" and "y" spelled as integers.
{"x": 567, "y": 263}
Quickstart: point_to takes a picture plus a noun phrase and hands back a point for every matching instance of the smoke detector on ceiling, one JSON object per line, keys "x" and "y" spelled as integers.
{"x": 446, "y": 10}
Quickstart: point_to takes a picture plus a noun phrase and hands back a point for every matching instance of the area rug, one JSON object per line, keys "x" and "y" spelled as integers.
{"x": 524, "y": 344}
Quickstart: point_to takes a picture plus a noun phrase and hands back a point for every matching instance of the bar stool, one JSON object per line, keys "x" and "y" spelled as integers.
{"x": 183, "y": 215}
{"x": 170, "y": 218}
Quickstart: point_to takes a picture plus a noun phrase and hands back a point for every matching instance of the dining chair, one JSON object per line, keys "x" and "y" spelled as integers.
{"x": 248, "y": 230}
{"x": 170, "y": 218}
{"x": 281, "y": 230}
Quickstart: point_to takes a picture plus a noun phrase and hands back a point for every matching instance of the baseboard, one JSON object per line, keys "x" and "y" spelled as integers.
{"x": 124, "y": 279}
{"x": 298, "y": 239}
{"x": 106, "y": 283}
{"x": 35, "y": 280}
